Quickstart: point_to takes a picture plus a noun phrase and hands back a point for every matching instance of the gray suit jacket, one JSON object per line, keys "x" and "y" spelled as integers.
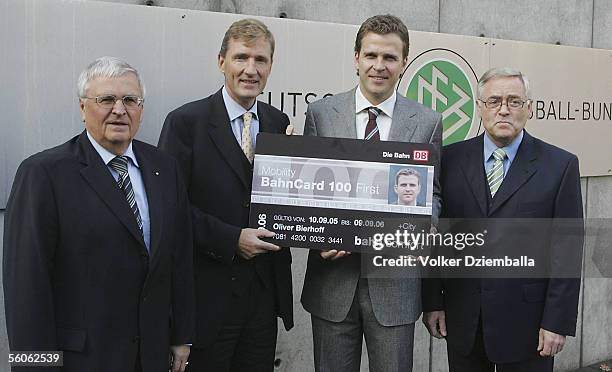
{"x": 329, "y": 286}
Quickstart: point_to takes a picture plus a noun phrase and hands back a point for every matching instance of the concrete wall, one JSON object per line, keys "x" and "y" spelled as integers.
{"x": 597, "y": 291}
{"x": 602, "y": 24}
{"x": 584, "y": 23}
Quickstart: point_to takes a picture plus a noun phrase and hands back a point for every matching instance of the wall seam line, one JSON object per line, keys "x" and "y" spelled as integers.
{"x": 581, "y": 349}
{"x": 440, "y": 12}
{"x": 592, "y": 26}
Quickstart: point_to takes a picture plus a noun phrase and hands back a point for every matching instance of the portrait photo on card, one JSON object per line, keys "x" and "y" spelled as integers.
{"x": 410, "y": 185}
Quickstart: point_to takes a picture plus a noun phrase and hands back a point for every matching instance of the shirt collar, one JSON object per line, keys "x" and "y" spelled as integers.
{"x": 362, "y": 103}
{"x": 510, "y": 150}
{"x": 234, "y": 110}
{"x": 107, "y": 156}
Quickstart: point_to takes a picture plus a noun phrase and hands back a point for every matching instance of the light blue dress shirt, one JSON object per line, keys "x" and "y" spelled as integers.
{"x": 235, "y": 112}
{"x": 511, "y": 150}
{"x": 140, "y": 193}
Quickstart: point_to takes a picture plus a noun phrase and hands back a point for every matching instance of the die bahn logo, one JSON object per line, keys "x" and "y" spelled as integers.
{"x": 443, "y": 80}
{"x": 420, "y": 155}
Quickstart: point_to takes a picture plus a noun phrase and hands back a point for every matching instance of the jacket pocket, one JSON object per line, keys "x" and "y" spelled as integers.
{"x": 71, "y": 339}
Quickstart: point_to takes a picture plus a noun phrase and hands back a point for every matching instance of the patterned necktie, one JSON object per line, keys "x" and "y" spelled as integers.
{"x": 120, "y": 165}
{"x": 371, "y": 131}
{"x": 495, "y": 175}
{"x": 247, "y": 143}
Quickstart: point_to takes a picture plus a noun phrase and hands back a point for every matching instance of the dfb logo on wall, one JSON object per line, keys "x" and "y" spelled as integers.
{"x": 444, "y": 81}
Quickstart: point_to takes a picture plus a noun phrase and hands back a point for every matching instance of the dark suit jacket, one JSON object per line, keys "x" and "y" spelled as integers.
{"x": 218, "y": 177}
{"x": 542, "y": 183}
{"x": 77, "y": 275}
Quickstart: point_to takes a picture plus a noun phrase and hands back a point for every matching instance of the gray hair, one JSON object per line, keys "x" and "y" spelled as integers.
{"x": 106, "y": 67}
{"x": 498, "y": 72}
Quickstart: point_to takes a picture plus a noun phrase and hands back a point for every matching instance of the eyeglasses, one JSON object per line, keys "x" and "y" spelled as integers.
{"x": 512, "y": 103}
{"x": 108, "y": 101}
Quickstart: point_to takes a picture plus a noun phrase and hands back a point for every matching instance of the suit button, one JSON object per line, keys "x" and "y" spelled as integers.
{"x": 144, "y": 299}
{"x": 246, "y": 204}
{"x": 233, "y": 278}
{"x": 136, "y": 339}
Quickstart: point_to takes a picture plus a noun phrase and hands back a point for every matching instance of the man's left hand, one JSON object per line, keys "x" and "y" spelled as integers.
{"x": 180, "y": 354}
{"x": 290, "y": 130}
{"x": 550, "y": 343}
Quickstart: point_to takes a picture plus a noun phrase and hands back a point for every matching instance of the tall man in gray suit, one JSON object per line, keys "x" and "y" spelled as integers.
{"x": 345, "y": 307}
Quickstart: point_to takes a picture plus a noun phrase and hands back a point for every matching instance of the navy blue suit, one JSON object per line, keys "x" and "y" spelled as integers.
{"x": 542, "y": 183}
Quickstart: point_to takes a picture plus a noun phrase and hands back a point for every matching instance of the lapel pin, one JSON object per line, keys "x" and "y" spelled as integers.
{"x": 157, "y": 173}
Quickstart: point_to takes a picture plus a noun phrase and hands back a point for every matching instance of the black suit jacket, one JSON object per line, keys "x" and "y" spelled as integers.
{"x": 543, "y": 186}
{"x": 218, "y": 177}
{"x": 77, "y": 274}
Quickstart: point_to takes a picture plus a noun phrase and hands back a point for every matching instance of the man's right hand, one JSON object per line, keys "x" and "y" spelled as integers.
{"x": 435, "y": 321}
{"x": 333, "y": 254}
{"x": 251, "y": 245}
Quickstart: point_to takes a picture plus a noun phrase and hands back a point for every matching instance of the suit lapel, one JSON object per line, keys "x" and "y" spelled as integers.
{"x": 221, "y": 133}
{"x": 102, "y": 182}
{"x": 403, "y": 123}
{"x": 152, "y": 178}
{"x": 266, "y": 125}
{"x": 343, "y": 115}
{"x": 473, "y": 170}
{"x": 522, "y": 169}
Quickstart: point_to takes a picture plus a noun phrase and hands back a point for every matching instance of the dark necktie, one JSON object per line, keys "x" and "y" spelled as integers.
{"x": 371, "y": 132}
{"x": 120, "y": 165}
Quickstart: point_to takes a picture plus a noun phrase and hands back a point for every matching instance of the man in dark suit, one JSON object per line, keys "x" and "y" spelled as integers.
{"x": 242, "y": 282}
{"x": 514, "y": 324}
{"x": 344, "y": 306}
{"x": 97, "y": 241}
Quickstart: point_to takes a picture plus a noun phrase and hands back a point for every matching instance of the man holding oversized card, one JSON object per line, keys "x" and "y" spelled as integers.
{"x": 345, "y": 306}
{"x": 243, "y": 283}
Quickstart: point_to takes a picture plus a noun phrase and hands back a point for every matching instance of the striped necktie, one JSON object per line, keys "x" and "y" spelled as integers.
{"x": 120, "y": 165}
{"x": 371, "y": 131}
{"x": 495, "y": 175}
{"x": 247, "y": 142}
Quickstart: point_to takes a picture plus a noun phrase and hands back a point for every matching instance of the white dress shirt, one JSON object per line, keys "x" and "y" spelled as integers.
{"x": 140, "y": 194}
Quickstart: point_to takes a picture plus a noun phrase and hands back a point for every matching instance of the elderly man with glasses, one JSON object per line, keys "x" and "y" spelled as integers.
{"x": 98, "y": 243}
{"x": 520, "y": 189}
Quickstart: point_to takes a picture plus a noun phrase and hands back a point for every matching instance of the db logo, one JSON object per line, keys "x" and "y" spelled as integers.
{"x": 420, "y": 155}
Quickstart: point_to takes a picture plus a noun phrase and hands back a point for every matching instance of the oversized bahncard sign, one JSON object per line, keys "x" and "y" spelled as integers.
{"x": 443, "y": 80}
